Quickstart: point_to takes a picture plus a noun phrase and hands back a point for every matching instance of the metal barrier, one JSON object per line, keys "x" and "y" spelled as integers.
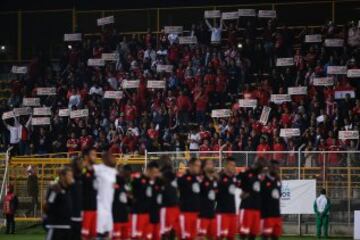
{"x": 24, "y": 31}
{"x": 338, "y": 172}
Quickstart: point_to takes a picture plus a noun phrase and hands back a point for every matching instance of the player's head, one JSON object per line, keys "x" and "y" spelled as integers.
{"x": 66, "y": 177}
{"x": 153, "y": 170}
{"x": 108, "y": 159}
{"x": 323, "y": 191}
{"x": 208, "y": 166}
{"x": 194, "y": 166}
{"x": 259, "y": 164}
{"x": 89, "y": 155}
{"x": 230, "y": 166}
{"x": 274, "y": 167}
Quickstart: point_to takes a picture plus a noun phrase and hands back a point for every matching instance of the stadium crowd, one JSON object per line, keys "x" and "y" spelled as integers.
{"x": 233, "y": 60}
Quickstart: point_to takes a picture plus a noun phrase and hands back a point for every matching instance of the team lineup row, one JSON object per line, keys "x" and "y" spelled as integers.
{"x": 98, "y": 201}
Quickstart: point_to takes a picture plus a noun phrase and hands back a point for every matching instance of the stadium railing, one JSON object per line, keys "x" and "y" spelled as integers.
{"x": 338, "y": 172}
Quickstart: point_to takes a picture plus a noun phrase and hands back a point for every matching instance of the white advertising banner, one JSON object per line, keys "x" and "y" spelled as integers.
{"x": 357, "y": 224}
{"x": 297, "y": 196}
{"x": 353, "y": 73}
{"x": 212, "y": 14}
{"x": 127, "y": 84}
{"x": 31, "y": 102}
{"x": 247, "y": 12}
{"x": 164, "y": 68}
{"x": 156, "y": 84}
{"x": 79, "y": 113}
{"x": 42, "y": 111}
{"x": 334, "y": 42}
{"x": 8, "y": 115}
{"x": 337, "y": 70}
{"x": 313, "y": 38}
{"x": 297, "y": 90}
{"x": 19, "y": 69}
{"x": 173, "y": 29}
{"x": 46, "y": 91}
{"x": 23, "y": 111}
{"x": 323, "y": 81}
{"x": 289, "y": 132}
{"x": 113, "y": 94}
{"x": 188, "y": 40}
{"x": 267, "y": 14}
{"x": 105, "y": 20}
{"x": 96, "y": 62}
{"x": 280, "y": 98}
{"x": 40, "y": 121}
{"x": 64, "y": 112}
{"x": 220, "y": 113}
{"x": 248, "y": 103}
{"x": 230, "y": 15}
{"x": 284, "y": 62}
{"x": 344, "y": 135}
{"x": 265, "y": 115}
{"x": 342, "y": 94}
{"x": 72, "y": 37}
{"x": 110, "y": 56}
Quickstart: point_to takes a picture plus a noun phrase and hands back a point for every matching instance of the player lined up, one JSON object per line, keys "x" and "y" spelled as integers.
{"x": 161, "y": 204}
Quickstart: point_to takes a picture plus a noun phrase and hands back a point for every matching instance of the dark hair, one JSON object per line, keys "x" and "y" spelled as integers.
{"x": 274, "y": 162}
{"x": 230, "y": 159}
{"x": 86, "y": 151}
{"x": 323, "y": 191}
{"x": 64, "y": 170}
{"x": 127, "y": 168}
{"x": 153, "y": 164}
{"x": 74, "y": 165}
{"x": 192, "y": 160}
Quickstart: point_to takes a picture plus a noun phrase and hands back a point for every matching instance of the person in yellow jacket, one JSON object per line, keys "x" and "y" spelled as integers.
{"x": 322, "y": 207}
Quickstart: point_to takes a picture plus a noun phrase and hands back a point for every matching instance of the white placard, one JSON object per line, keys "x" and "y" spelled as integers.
{"x": 289, "y": 132}
{"x": 212, "y": 14}
{"x": 357, "y": 222}
{"x": 336, "y": 70}
{"x": 42, "y": 111}
{"x": 113, "y": 94}
{"x": 72, "y": 37}
{"x": 334, "y": 42}
{"x": 353, "y": 73}
{"x": 110, "y": 56}
{"x": 105, "y": 20}
{"x": 40, "y": 121}
{"x": 342, "y": 94}
{"x": 297, "y": 90}
{"x": 79, "y": 113}
{"x": 267, "y": 14}
{"x": 31, "y": 102}
{"x": 156, "y": 84}
{"x": 247, "y": 12}
{"x": 126, "y": 84}
{"x": 280, "y": 98}
{"x": 230, "y": 15}
{"x": 64, "y": 112}
{"x": 188, "y": 40}
{"x": 173, "y": 29}
{"x": 8, "y": 115}
{"x": 320, "y": 119}
{"x": 23, "y": 111}
{"x": 283, "y": 62}
{"x": 19, "y": 69}
{"x": 344, "y": 135}
{"x": 46, "y": 91}
{"x": 247, "y": 103}
{"x": 96, "y": 62}
{"x": 221, "y": 113}
{"x": 297, "y": 196}
{"x": 313, "y": 38}
{"x": 323, "y": 81}
{"x": 265, "y": 115}
{"x": 164, "y": 68}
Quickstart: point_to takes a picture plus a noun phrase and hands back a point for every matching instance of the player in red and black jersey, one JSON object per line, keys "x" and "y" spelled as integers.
{"x": 89, "y": 193}
{"x": 189, "y": 188}
{"x": 169, "y": 212}
{"x": 208, "y": 189}
{"x": 250, "y": 184}
{"x": 142, "y": 192}
{"x": 121, "y": 206}
{"x": 226, "y": 219}
{"x": 270, "y": 207}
